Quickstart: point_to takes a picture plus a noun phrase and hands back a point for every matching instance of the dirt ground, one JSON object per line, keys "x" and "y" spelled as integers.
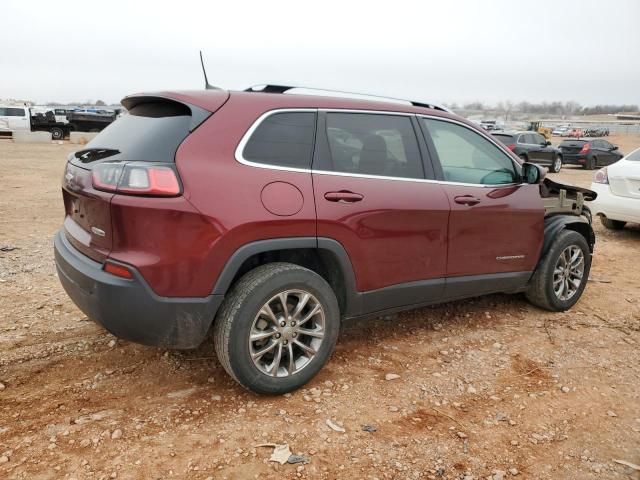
{"x": 487, "y": 388}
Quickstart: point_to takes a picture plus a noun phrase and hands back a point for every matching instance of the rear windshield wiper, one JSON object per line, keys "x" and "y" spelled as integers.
{"x": 92, "y": 154}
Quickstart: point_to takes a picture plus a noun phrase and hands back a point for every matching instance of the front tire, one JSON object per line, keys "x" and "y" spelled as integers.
{"x": 277, "y": 328}
{"x": 562, "y": 274}
{"x": 556, "y": 166}
{"x": 591, "y": 163}
{"x": 612, "y": 224}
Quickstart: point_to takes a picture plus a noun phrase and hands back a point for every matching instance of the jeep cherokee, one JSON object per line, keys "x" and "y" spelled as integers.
{"x": 270, "y": 217}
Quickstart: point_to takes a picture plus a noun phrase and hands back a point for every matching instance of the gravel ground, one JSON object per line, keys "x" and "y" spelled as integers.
{"x": 486, "y": 388}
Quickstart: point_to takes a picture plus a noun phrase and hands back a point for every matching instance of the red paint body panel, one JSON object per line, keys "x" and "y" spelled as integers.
{"x": 508, "y": 221}
{"x": 401, "y": 231}
{"x": 397, "y": 233}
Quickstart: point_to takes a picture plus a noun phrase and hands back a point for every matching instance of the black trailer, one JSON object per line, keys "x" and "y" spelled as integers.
{"x": 90, "y": 122}
{"x": 77, "y": 121}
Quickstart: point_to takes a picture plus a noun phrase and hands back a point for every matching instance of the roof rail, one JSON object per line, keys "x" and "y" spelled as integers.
{"x": 287, "y": 89}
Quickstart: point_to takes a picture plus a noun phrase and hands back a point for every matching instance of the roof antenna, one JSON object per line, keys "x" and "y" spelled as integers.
{"x": 206, "y": 81}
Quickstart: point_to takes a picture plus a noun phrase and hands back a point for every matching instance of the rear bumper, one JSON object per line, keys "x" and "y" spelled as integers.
{"x": 129, "y": 309}
{"x": 614, "y": 207}
{"x": 573, "y": 159}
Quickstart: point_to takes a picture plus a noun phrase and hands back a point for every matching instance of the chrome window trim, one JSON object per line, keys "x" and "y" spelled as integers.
{"x": 245, "y": 139}
{"x": 500, "y": 146}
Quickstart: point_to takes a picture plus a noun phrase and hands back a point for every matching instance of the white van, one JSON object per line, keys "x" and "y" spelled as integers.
{"x": 14, "y": 118}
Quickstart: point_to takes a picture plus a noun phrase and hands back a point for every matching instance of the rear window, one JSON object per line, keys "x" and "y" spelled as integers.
{"x": 572, "y": 143}
{"x": 150, "y": 132}
{"x": 283, "y": 139}
{"x": 634, "y": 156}
{"x": 506, "y": 139}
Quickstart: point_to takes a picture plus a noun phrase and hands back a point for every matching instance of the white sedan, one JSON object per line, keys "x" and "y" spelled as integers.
{"x": 618, "y": 189}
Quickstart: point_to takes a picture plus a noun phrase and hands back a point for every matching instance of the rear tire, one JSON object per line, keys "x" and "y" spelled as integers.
{"x": 612, "y": 224}
{"x": 57, "y": 133}
{"x": 253, "y": 320}
{"x": 559, "y": 267}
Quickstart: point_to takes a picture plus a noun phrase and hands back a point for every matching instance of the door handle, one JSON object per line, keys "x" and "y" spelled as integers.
{"x": 468, "y": 200}
{"x": 344, "y": 196}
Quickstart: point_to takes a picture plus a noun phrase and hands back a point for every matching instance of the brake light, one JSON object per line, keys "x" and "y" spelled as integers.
{"x": 136, "y": 179}
{"x": 117, "y": 270}
{"x": 585, "y": 148}
{"x": 511, "y": 147}
{"x": 601, "y": 176}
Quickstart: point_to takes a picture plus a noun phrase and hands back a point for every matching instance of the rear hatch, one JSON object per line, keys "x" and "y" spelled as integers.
{"x": 624, "y": 176}
{"x": 152, "y": 131}
{"x": 571, "y": 147}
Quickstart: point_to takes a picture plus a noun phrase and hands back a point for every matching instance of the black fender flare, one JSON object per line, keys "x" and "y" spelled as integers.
{"x": 556, "y": 223}
{"x": 237, "y": 259}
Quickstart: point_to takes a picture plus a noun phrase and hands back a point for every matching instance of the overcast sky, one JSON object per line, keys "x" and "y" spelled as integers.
{"x": 442, "y": 51}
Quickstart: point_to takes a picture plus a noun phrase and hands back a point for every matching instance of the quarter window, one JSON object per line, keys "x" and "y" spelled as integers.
{"x": 373, "y": 144}
{"x": 284, "y": 139}
{"x": 467, "y": 157}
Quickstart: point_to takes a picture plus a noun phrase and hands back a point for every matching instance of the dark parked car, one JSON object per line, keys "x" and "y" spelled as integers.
{"x": 590, "y": 153}
{"x": 270, "y": 218}
{"x": 532, "y": 147}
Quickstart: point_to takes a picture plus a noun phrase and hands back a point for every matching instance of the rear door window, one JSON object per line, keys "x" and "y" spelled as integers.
{"x": 15, "y": 112}
{"x": 506, "y": 139}
{"x": 468, "y": 157}
{"x": 283, "y": 139}
{"x": 373, "y": 144}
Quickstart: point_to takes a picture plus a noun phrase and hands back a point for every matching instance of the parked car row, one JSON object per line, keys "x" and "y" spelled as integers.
{"x": 58, "y": 122}
{"x": 533, "y": 147}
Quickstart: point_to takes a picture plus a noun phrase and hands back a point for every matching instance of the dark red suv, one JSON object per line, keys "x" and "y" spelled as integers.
{"x": 270, "y": 217}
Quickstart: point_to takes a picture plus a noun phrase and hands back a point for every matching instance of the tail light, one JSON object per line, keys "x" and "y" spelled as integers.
{"x": 511, "y": 146}
{"x": 136, "y": 179}
{"x": 585, "y": 148}
{"x": 601, "y": 176}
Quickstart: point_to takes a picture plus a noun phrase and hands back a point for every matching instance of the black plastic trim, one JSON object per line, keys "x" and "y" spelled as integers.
{"x": 130, "y": 309}
{"x": 553, "y": 224}
{"x": 236, "y": 260}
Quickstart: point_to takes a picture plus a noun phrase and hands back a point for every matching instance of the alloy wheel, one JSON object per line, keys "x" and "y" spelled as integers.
{"x": 287, "y": 333}
{"x": 568, "y": 272}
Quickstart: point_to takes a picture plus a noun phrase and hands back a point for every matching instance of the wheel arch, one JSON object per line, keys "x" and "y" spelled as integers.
{"x": 556, "y": 223}
{"x": 324, "y": 256}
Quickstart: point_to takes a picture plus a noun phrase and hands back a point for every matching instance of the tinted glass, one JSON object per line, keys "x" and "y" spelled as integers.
{"x": 284, "y": 139}
{"x": 523, "y": 138}
{"x": 539, "y": 139}
{"x": 506, "y": 139}
{"x": 467, "y": 157}
{"x": 15, "y": 112}
{"x": 150, "y": 132}
{"x": 372, "y": 144}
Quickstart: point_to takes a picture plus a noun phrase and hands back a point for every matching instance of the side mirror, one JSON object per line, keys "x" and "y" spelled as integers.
{"x": 614, "y": 148}
{"x": 532, "y": 173}
{"x": 547, "y": 143}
